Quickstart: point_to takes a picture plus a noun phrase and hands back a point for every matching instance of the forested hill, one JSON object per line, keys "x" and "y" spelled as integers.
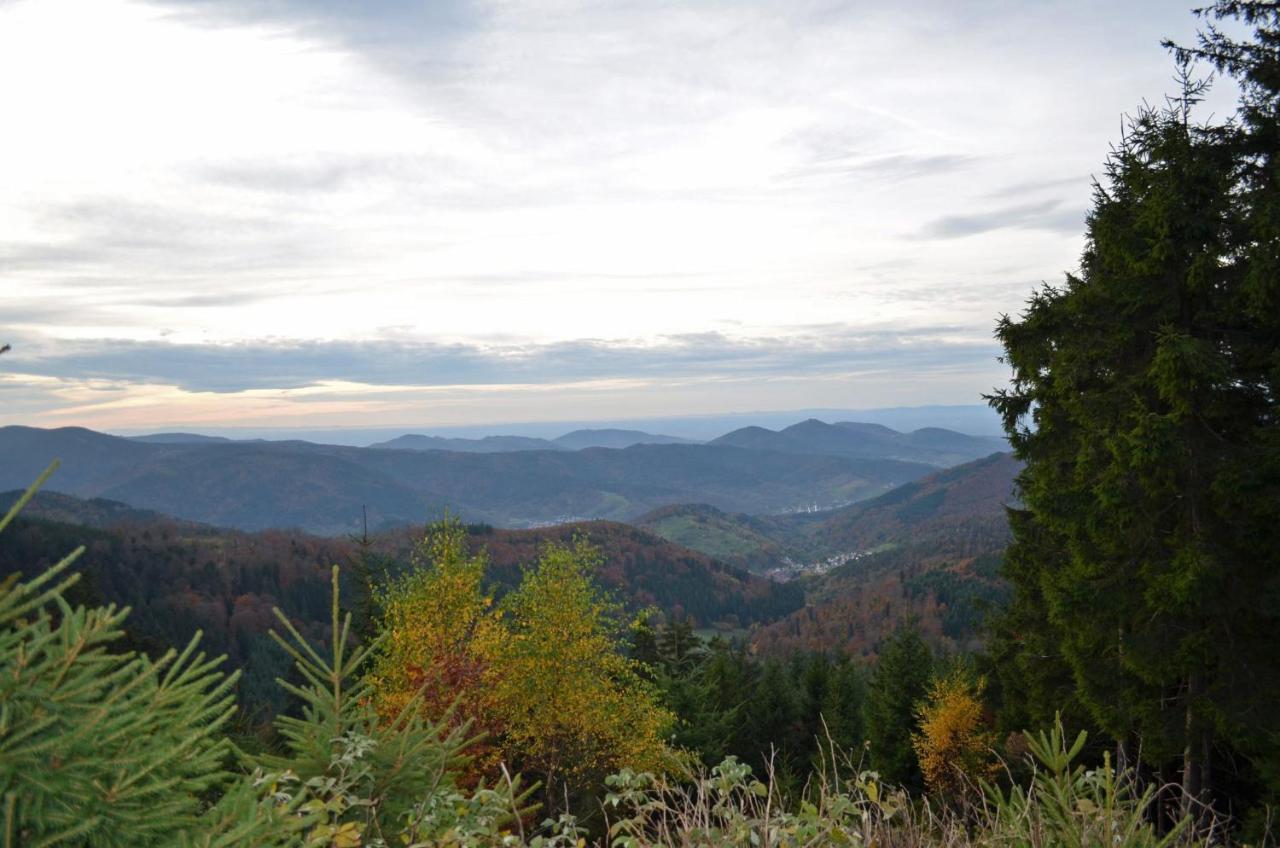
{"x": 933, "y": 507}
{"x": 755, "y": 543}
{"x": 942, "y": 503}
{"x": 929, "y": 551}
{"x": 101, "y": 513}
{"x": 324, "y": 488}
{"x": 180, "y": 577}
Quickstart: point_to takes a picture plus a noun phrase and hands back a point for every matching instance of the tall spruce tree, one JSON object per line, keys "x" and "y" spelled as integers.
{"x": 899, "y": 684}
{"x": 842, "y": 707}
{"x": 1146, "y": 556}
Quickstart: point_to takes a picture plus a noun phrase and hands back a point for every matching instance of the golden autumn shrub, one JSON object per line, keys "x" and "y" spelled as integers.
{"x": 439, "y": 638}
{"x": 954, "y": 745}
{"x": 571, "y": 702}
{"x": 541, "y": 674}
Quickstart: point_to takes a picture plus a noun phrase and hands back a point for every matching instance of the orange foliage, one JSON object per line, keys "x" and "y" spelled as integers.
{"x": 954, "y": 745}
{"x": 541, "y": 674}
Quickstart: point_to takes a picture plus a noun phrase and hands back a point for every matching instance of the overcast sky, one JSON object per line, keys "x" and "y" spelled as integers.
{"x": 387, "y": 213}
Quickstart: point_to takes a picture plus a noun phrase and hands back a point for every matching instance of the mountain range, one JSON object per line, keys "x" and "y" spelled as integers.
{"x": 931, "y": 445}
{"x": 911, "y": 541}
{"x": 326, "y": 488}
{"x": 575, "y": 440}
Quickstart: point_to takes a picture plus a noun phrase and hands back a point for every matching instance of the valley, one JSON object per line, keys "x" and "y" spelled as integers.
{"x": 203, "y": 519}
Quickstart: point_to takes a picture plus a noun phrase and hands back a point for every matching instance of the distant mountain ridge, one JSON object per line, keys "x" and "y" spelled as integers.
{"x": 859, "y": 440}
{"x": 325, "y": 488}
{"x": 178, "y": 438}
{"x": 614, "y": 438}
{"x": 932, "y": 445}
{"x": 575, "y": 440}
{"x": 487, "y": 444}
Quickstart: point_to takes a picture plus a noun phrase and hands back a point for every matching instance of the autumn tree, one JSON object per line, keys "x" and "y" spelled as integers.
{"x": 572, "y": 705}
{"x": 542, "y": 674}
{"x": 439, "y": 638}
{"x": 955, "y": 743}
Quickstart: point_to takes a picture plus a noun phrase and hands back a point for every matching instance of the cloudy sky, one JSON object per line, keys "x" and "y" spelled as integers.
{"x": 326, "y": 213}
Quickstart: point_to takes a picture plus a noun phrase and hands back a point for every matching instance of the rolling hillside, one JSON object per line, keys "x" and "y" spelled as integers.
{"x": 756, "y": 544}
{"x": 967, "y": 495}
{"x": 180, "y": 577}
{"x": 920, "y": 510}
{"x": 929, "y": 550}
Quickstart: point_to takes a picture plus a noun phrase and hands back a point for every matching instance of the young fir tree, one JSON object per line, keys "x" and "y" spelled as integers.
{"x": 727, "y": 675}
{"x": 770, "y": 716}
{"x": 369, "y": 570}
{"x": 101, "y": 748}
{"x": 1146, "y": 557}
{"x": 679, "y": 645}
{"x": 812, "y": 675}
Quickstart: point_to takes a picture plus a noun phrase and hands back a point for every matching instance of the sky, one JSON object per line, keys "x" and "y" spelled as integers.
{"x": 333, "y": 214}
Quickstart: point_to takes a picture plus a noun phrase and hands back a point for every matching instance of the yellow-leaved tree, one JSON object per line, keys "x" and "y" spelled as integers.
{"x": 954, "y": 744}
{"x": 572, "y": 703}
{"x": 542, "y": 674}
{"x": 439, "y": 640}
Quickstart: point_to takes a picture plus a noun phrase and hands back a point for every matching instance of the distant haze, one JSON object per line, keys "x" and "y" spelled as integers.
{"x": 977, "y": 420}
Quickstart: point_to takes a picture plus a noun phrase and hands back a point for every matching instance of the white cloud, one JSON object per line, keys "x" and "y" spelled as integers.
{"x": 237, "y": 173}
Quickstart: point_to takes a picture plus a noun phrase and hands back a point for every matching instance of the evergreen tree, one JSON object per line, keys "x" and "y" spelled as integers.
{"x": 369, "y": 570}
{"x": 101, "y": 748}
{"x": 729, "y": 676}
{"x": 899, "y": 684}
{"x": 1144, "y": 404}
{"x": 813, "y": 683}
{"x": 842, "y": 707}
{"x": 771, "y": 716}
{"x": 678, "y": 644}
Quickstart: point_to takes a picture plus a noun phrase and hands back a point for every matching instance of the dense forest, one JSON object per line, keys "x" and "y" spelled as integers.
{"x": 1097, "y": 666}
{"x": 180, "y": 578}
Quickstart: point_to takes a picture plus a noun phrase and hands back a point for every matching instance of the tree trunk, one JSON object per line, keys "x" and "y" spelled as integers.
{"x": 1195, "y": 759}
